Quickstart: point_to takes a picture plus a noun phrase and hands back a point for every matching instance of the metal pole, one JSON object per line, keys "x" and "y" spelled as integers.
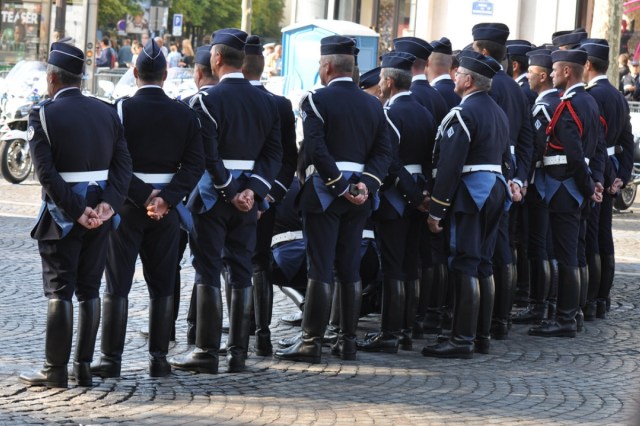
{"x": 246, "y": 16}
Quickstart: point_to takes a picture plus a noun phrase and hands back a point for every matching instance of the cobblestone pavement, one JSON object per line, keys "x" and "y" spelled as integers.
{"x": 593, "y": 379}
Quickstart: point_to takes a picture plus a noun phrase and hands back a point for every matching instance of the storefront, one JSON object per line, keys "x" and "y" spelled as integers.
{"x": 24, "y": 30}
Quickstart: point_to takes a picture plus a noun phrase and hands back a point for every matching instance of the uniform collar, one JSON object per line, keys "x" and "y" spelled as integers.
{"x": 61, "y": 91}
{"x": 150, "y": 86}
{"x": 335, "y": 80}
{"x": 594, "y": 79}
{"x": 520, "y": 78}
{"x": 206, "y": 86}
{"x": 545, "y": 93}
{"x": 396, "y": 96}
{"x": 255, "y": 82}
{"x": 470, "y": 94}
{"x": 440, "y": 78}
{"x": 418, "y": 77}
{"x": 232, "y": 75}
{"x": 575, "y": 86}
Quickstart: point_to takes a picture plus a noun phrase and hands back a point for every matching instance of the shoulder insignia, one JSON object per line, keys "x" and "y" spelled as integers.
{"x": 568, "y": 96}
{"x": 304, "y": 96}
{"x": 42, "y": 103}
{"x": 591, "y": 86}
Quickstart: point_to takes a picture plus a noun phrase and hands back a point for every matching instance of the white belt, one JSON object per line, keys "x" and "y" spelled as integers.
{"x": 286, "y": 236}
{"x": 154, "y": 177}
{"x": 94, "y": 176}
{"x": 367, "y": 233}
{"x": 612, "y": 150}
{"x": 513, "y": 150}
{"x": 348, "y": 166}
{"x": 413, "y": 168}
{"x": 555, "y": 160}
{"x": 482, "y": 168}
{"x": 239, "y": 164}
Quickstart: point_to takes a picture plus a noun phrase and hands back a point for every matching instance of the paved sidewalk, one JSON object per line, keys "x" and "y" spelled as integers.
{"x": 593, "y": 379}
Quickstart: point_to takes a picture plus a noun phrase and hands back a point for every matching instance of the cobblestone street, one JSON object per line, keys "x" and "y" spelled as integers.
{"x": 592, "y": 379}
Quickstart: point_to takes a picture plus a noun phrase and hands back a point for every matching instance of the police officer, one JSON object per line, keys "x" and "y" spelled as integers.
{"x": 469, "y": 187}
{"x": 489, "y": 39}
{"x": 568, "y": 39}
{"x": 573, "y": 136}
{"x": 424, "y": 93}
{"x": 262, "y": 286}
{"x": 81, "y": 160}
{"x": 163, "y": 136}
{"x": 346, "y": 142}
{"x": 398, "y": 218}
{"x": 369, "y": 83}
{"x": 517, "y": 51}
{"x": 438, "y": 71}
{"x": 539, "y": 80}
{"x": 614, "y": 115}
{"x": 242, "y": 162}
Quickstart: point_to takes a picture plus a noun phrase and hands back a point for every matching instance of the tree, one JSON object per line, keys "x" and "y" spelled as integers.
{"x": 205, "y": 16}
{"x": 266, "y": 17}
{"x": 111, "y": 11}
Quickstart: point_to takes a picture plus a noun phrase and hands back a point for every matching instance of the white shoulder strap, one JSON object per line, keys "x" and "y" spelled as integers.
{"x": 119, "y": 108}
{"x": 43, "y": 122}
{"x": 393, "y": 126}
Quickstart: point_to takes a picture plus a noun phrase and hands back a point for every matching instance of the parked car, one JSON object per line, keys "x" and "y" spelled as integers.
{"x": 179, "y": 84}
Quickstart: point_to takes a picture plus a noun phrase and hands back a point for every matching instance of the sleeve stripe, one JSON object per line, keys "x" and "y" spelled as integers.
{"x": 225, "y": 184}
{"x": 440, "y": 202}
{"x": 261, "y": 179}
{"x": 281, "y": 185}
{"x": 373, "y": 176}
{"x": 331, "y": 182}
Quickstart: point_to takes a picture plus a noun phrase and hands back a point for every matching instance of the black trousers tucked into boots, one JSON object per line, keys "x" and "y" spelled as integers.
{"x": 239, "y": 322}
{"x": 390, "y": 319}
{"x": 114, "y": 327}
{"x": 160, "y": 325}
{"x": 568, "y": 301}
{"x": 88, "y": 322}
{"x": 263, "y": 306}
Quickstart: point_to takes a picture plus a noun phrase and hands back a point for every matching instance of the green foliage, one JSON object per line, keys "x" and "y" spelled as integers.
{"x": 210, "y": 14}
{"x": 111, "y": 11}
{"x": 266, "y": 17}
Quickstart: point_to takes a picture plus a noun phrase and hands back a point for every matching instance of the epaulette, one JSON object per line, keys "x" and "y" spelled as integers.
{"x": 568, "y": 96}
{"x": 104, "y": 101}
{"x": 124, "y": 98}
{"x": 42, "y": 103}
{"x": 304, "y": 96}
{"x": 591, "y": 85}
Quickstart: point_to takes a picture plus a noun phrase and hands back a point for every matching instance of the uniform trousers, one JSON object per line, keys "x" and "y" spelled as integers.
{"x": 564, "y": 218}
{"x": 399, "y": 244}
{"x": 224, "y": 228}
{"x": 76, "y": 262}
{"x": 538, "y": 224}
{"x": 262, "y": 255}
{"x": 333, "y": 238}
{"x": 157, "y": 243}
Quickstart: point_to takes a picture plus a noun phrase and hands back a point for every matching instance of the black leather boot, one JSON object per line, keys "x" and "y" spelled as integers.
{"x": 390, "y": 319}
{"x": 239, "y": 323}
{"x": 503, "y": 278}
{"x": 608, "y": 265}
{"x": 314, "y": 322}
{"x": 115, "y": 311}
{"x": 285, "y": 342}
{"x": 539, "y": 287}
{"x": 350, "y": 304}
{"x": 57, "y": 349}
{"x": 332, "y": 332}
{"x": 88, "y": 322}
{"x": 483, "y": 333}
{"x": 582, "y": 299}
{"x": 411, "y": 295}
{"x": 568, "y": 301}
{"x": 432, "y": 323}
{"x": 192, "y": 317}
{"x": 422, "y": 310}
{"x": 160, "y": 320}
{"x": 204, "y": 358}
{"x": 595, "y": 275}
{"x": 263, "y": 306}
{"x": 465, "y": 321}
{"x": 294, "y": 319}
{"x": 522, "y": 290}
{"x": 552, "y": 298}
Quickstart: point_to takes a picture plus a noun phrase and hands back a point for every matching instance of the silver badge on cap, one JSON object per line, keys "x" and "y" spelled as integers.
{"x": 30, "y": 132}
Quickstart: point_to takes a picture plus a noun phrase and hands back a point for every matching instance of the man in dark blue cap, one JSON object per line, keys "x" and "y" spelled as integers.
{"x": 517, "y": 51}
{"x": 569, "y": 39}
{"x": 369, "y": 83}
{"x": 614, "y": 114}
{"x": 470, "y": 189}
{"x": 81, "y": 159}
{"x": 438, "y": 71}
{"x": 262, "y": 288}
{"x": 163, "y": 136}
{"x": 241, "y": 130}
{"x": 426, "y": 95}
{"x": 573, "y": 134}
{"x": 402, "y": 204}
{"x": 490, "y": 39}
{"x": 347, "y": 145}
{"x": 539, "y": 80}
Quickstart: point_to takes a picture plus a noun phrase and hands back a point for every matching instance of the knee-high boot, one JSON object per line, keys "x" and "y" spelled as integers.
{"x": 239, "y": 322}
{"x": 523, "y": 285}
{"x": 487, "y": 296}
{"x": 204, "y": 358}
{"x": 314, "y": 322}
{"x": 333, "y": 329}
{"x": 433, "y": 318}
{"x": 350, "y": 304}
{"x": 465, "y": 321}
{"x": 390, "y": 319}
{"x": 296, "y": 297}
{"x": 160, "y": 321}
{"x": 582, "y": 298}
{"x": 88, "y": 322}
{"x": 552, "y": 298}
{"x": 568, "y": 301}
{"x": 412, "y": 293}
{"x": 115, "y": 311}
{"x": 595, "y": 276}
{"x": 423, "y": 309}
{"x": 192, "y": 316}
{"x": 503, "y": 278}
{"x": 539, "y": 287}
{"x": 608, "y": 264}
{"x": 57, "y": 350}
{"x": 262, "y": 306}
